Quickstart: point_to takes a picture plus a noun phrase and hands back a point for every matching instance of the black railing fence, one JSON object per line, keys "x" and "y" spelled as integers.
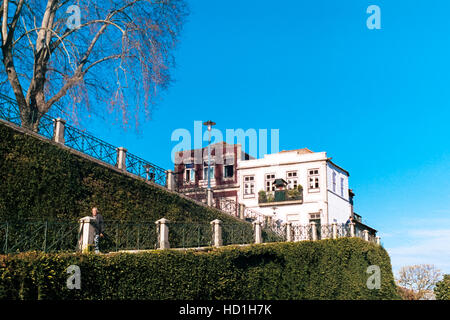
{"x": 46, "y": 236}
{"x": 64, "y": 236}
{"x": 10, "y": 112}
{"x": 90, "y": 145}
{"x": 57, "y": 236}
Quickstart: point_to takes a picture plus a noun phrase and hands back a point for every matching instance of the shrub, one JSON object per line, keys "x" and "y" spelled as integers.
{"x": 326, "y": 269}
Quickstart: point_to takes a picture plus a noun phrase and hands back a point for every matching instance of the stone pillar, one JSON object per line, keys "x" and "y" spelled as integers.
{"x": 122, "y": 158}
{"x": 378, "y": 240}
{"x": 289, "y": 237}
{"x": 334, "y": 228}
{"x": 242, "y": 211}
{"x": 366, "y": 235}
{"x": 163, "y": 233}
{"x": 58, "y": 130}
{"x": 170, "y": 180}
{"x": 258, "y": 231}
{"x": 217, "y": 233}
{"x": 209, "y": 197}
{"x": 352, "y": 229}
{"x": 87, "y": 233}
{"x": 313, "y": 231}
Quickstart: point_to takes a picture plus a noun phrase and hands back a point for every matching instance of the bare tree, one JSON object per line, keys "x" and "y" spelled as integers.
{"x": 71, "y": 55}
{"x": 421, "y": 279}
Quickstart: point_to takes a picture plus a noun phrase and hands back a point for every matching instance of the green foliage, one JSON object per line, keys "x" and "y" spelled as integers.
{"x": 43, "y": 181}
{"x": 262, "y": 196}
{"x": 442, "y": 290}
{"x": 326, "y": 269}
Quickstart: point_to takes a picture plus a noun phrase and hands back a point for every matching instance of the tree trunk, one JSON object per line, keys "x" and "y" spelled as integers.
{"x": 30, "y": 117}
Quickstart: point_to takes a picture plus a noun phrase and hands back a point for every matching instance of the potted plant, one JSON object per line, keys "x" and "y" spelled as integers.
{"x": 262, "y": 196}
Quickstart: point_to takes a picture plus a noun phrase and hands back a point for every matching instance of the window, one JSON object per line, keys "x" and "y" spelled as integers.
{"x": 249, "y": 185}
{"x": 342, "y": 187}
{"x": 205, "y": 172}
{"x": 292, "y": 179}
{"x": 314, "y": 216}
{"x": 228, "y": 171}
{"x": 334, "y": 181}
{"x": 189, "y": 175}
{"x": 270, "y": 178}
{"x": 313, "y": 179}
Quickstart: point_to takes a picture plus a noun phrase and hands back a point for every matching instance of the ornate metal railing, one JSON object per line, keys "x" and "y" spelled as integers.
{"x": 301, "y": 232}
{"x": 90, "y": 145}
{"x": 274, "y": 231}
{"x": 227, "y": 205}
{"x": 325, "y": 231}
{"x": 45, "y": 127}
{"x": 253, "y": 215}
{"x": 146, "y": 170}
{"x": 195, "y": 193}
{"x": 343, "y": 230}
{"x": 10, "y": 112}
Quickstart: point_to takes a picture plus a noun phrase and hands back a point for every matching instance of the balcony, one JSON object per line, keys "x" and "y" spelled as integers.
{"x": 280, "y": 197}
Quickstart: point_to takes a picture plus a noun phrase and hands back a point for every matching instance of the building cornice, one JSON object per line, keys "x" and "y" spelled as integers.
{"x": 277, "y": 164}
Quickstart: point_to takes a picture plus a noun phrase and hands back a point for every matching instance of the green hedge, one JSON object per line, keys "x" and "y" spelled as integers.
{"x": 326, "y": 269}
{"x": 42, "y": 180}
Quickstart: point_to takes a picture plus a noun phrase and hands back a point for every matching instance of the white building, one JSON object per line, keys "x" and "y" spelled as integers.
{"x": 323, "y": 194}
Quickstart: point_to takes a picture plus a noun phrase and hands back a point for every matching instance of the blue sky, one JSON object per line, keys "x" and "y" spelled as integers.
{"x": 377, "y": 101}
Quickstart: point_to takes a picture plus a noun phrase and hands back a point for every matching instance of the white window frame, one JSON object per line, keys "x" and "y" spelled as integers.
{"x": 342, "y": 187}
{"x": 249, "y": 184}
{"x": 314, "y": 216}
{"x": 315, "y": 176}
{"x": 292, "y": 180}
{"x": 271, "y": 186}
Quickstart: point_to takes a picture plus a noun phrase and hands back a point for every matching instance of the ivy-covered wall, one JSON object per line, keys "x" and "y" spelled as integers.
{"x": 325, "y": 269}
{"x": 39, "y": 179}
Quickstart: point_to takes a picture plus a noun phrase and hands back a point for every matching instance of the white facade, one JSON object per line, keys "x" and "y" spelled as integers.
{"x": 325, "y": 186}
